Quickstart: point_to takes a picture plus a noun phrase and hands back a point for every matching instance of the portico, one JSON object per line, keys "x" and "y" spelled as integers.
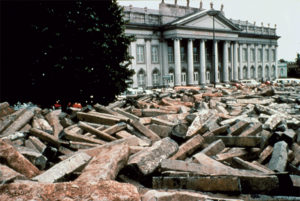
{"x": 198, "y": 49}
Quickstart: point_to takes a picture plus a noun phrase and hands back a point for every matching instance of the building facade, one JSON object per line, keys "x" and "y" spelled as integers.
{"x": 282, "y": 69}
{"x": 181, "y": 45}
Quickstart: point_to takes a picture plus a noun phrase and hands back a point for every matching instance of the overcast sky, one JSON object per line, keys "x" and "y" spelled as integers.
{"x": 285, "y": 14}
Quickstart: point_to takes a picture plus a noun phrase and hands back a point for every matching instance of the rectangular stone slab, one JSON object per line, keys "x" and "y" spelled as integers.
{"x": 66, "y": 167}
{"x": 198, "y": 183}
{"x": 149, "y": 159}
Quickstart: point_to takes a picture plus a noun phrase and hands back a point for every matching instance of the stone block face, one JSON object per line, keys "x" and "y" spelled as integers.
{"x": 149, "y": 159}
{"x": 279, "y": 157}
{"x": 102, "y": 190}
{"x": 106, "y": 164}
{"x": 64, "y": 168}
{"x": 16, "y": 160}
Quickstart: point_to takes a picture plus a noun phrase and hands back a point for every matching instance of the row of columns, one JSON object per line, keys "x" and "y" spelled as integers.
{"x": 237, "y": 74}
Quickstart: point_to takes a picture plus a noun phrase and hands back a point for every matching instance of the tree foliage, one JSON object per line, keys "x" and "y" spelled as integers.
{"x": 64, "y": 50}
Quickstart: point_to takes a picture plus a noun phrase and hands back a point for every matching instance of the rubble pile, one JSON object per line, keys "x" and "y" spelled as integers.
{"x": 188, "y": 143}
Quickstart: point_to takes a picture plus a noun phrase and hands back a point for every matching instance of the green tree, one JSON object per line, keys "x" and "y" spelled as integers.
{"x": 78, "y": 52}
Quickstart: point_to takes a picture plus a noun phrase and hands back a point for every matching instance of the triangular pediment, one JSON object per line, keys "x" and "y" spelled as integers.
{"x": 207, "y": 22}
{"x": 204, "y": 20}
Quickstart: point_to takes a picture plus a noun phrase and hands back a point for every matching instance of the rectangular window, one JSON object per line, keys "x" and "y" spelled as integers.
{"x": 195, "y": 55}
{"x": 170, "y": 54}
{"x": 259, "y": 55}
{"x": 154, "y": 54}
{"x": 182, "y": 54}
{"x": 141, "y": 79}
{"x": 266, "y": 55}
{"x": 196, "y": 77}
{"x": 238, "y": 49}
{"x": 252, "y": 55}
{"x": 155, "y": 79}
{"x": 245, "y": 59}
{"x": 140, "y": 55}
{"x": 273, "y": 56}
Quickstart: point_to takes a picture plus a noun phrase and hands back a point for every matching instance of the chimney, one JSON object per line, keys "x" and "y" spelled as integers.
{"x": 211, "y": 5}
{"x": 175, "y": 2}
{"x": 201, "y": 5}
{"x": 269, "y": 25}
{"x": 222, "y": 7}
{"x": 162, "y": 1}
{"x": 130, "y": 7}
{"x": 275, "y": 26}
{"x": 188, "y": 3}
{"x": 254, "y": 23}
{"x": 145, "y": 9}
{"x": 262, "y": 24}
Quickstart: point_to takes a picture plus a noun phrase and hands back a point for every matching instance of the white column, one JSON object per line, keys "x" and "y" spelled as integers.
{"x": 248, "y": 61}
{"x": 241, "y": 62}
{"x": 148, "y": 63}
{"x": 235, "y": 66}
{"x": 256, "y": 66}
{"x": 177, "y": 62}
{"x": 133, "y": 65}
{"x": 225, "y": 62}
{"x": 165, "y": 67}
{"x": 231, "y": 58}
{"x": 276, "y": 69}
{"x": 263, "y": 63}
{"x": 190, "y": 78}
{"x": 202, "y": 63}
{"x": 270, "y": 63}
{"x": 216, "y": 69}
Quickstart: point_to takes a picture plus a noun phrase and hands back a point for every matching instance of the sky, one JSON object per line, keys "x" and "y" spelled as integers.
{"x": 285, "y": 14}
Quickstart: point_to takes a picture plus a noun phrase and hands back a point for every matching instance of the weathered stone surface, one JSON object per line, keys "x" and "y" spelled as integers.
{"x": 97, "y": 117}
{"x": 162, "y": 131}
{"x": 272, "y": 122}
{"x": 237, "y": 141}
{"x": 95, "y": 131}
{"x": 237, "y": 128}
{"x": 188, "y": 147}
{"x": 42, "y": 124}
{"x": 180, "y": 195}
{"x": 64, "y": 168}
{"x": 115, "y": 128}
{"x": 296, "y": 152}
{"x": 144, "y": 130}
{"x": 253, "y": 130}
{"x": 18, "y": 123}
{"x": 249, "y": 166}
{"x": 106, "y": 164}
{"x": 214, "y": 148}
{"x": 279, "y": 157}
{"x": 149, "y": 159}
{"x": 233, "y": 152}
{"x": 161, "y": 122}
{"x": 34, "y": 157}
{"x": 127, "y": 114}
{"x": 198, "y": 183}
{"x": 197, "y": 124}
{"x": 10, "y": 156}
{"x": 265, "y": 154}
{"x": 102, "y": 190}
{"x": 8, "y": 175}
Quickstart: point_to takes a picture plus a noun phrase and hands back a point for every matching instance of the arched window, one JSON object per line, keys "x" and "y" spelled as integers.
{"x": 281, "y": 72}
{"x": 259, "y": 72}
{"x": 155, "y": 77}
{"x": 267, "y": 75}
{"x": 141, "y": 78}
{"x": 245, "y": 72}
{"x": 273, "y": 71}
{"x": 252, "y": 72}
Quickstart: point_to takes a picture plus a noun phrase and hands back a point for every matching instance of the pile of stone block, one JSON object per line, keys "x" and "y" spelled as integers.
{"x": 188, "y": 143}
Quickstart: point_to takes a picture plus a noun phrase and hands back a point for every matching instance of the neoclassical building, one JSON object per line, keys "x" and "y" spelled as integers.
{"x": 182, "y": 45}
